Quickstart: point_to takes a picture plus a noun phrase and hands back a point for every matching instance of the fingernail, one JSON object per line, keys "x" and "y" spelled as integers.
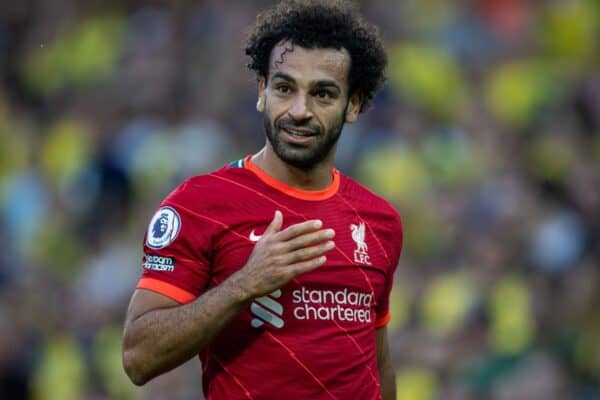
{"x": 318, "y": 223}
{"x": 330, "y": 233}
{"x": 322, "y": 259}
{"x": 330, "y": 244}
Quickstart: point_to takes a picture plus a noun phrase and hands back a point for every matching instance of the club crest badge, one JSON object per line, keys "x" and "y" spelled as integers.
{"x": 361, "y": 255}
{"x": 163, "y": 228}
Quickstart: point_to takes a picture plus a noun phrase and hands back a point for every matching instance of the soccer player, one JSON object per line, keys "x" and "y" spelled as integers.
{"x": 276, "y": 269}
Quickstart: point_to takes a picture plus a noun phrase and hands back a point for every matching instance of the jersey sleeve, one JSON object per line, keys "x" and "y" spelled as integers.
{"x": 176, "y": 248}
{"x": 393, "y": 245}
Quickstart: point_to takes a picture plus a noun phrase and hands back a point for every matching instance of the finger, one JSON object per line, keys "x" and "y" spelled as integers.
{"x": 308, "y": 239}
{"x": 275, "y": 224}
{"x": 298, "y": 229}
{"x": 307, "y": 253}
{"x": 308, "y": 265}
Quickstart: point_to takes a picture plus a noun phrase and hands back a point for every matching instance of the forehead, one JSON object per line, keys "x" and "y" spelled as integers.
{"x": 310, "y": 64}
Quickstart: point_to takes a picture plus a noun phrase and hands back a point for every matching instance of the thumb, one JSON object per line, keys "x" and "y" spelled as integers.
{"x": 275, "y": 224}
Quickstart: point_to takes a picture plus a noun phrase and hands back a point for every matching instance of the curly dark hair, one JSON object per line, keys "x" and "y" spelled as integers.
{"x": 322, "y": 24}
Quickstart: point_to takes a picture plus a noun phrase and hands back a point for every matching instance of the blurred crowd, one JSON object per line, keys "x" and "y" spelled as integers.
{"x": 486, "y": 139}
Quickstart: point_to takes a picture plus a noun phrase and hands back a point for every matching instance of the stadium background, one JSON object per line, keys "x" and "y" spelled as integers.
{"x": 487, "y": 139}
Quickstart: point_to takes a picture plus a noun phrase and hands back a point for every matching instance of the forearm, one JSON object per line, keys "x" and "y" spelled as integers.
{"x": 161, "y": 334}
{"x": 162, "y": 339}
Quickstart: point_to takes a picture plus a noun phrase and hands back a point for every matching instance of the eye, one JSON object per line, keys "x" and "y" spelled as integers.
{"x": 283, "y": 88}
{"x": 323, "y": 94}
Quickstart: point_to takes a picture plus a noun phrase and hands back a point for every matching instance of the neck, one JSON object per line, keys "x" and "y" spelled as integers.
{"x": 317, "y": 178}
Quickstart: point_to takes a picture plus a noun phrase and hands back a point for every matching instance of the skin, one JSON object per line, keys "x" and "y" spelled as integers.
{"x": 306, "y": 92}
{"x": 387, "y": 374}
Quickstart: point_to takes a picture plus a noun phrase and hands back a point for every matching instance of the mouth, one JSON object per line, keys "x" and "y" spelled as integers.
{"x": 298, "y": 136}
{"x": 299, "y": 132}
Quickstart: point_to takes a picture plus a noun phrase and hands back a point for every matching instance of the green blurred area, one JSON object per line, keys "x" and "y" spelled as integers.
{"x": 486, "y": 139}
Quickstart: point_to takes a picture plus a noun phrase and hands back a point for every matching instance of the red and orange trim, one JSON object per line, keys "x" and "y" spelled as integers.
{"x": 312, "y": 195}
{"x": 383, "y": 321}
{"x": 166, "y": 289}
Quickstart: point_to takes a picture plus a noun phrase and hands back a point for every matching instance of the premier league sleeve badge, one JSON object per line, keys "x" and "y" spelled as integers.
{"x": 163, "y": 228}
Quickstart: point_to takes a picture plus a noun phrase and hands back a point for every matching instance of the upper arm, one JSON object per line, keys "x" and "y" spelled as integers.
{"x": 384, "y": 365}
{"x": 391, "y": 233}
{"x": 141, "y": 361}
{"x": 144, "y": 301}
{"x": 382, "y": 345}
{"x": 176, "y": 247}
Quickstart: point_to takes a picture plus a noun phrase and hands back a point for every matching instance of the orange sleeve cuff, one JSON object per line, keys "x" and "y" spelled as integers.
{"x": 383, "y": 321}
{"x": 166, "y": 289}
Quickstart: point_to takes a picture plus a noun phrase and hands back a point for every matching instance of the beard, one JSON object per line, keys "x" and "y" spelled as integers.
{"x": 301, "y": 156}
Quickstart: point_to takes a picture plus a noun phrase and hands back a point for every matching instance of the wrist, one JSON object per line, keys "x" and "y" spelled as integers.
{"x": 235, "y": 286}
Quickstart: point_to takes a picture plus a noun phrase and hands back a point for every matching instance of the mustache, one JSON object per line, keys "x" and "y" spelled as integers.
{"x": 288, "y": 123}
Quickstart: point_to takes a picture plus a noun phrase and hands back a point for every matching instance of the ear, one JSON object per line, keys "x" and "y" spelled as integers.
{"x": 353, "y": 108}
{"x": 262, "y": 86}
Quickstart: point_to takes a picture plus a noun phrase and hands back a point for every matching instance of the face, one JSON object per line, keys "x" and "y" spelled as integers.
{"x": 305, "y": 103}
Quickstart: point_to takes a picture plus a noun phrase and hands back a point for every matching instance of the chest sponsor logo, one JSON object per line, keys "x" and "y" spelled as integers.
{"x": 315, "y": 305}
{"x": 163, "y": 228}
{"x": 267, "y": 310}
{"x": 153, "y": 262}
{"x": 327, "y": 305}
{"x": 361, "y": 253}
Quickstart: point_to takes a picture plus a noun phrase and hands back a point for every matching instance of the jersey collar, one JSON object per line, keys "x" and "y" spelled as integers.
{"x": 313, "y": 195}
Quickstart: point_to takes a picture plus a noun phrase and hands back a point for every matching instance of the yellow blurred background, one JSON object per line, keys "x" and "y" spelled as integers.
{"x": 487, "y": 140}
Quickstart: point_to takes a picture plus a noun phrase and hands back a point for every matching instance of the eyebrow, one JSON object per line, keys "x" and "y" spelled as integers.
{"x": 284, "y": 76}
{"x": 319, "y": 83}
{"x": 328, "y": 83}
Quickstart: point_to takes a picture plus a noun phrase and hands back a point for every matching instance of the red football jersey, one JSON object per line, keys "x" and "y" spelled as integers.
{"x": 314, "y": 338}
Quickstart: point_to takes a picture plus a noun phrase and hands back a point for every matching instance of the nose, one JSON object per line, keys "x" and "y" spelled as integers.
{"x": 300, "y": 109}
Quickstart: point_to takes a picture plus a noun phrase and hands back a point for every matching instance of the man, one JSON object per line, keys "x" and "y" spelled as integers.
{"x": 241, "y": 266}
